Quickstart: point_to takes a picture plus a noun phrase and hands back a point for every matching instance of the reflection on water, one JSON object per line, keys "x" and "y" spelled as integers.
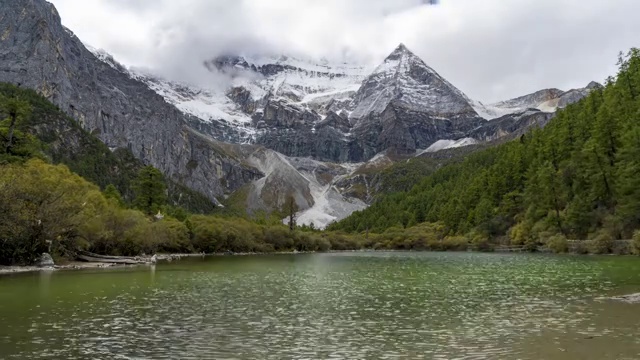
{"x": 350, "y": 306}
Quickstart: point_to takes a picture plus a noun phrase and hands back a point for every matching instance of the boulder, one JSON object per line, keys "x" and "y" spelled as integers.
{"x": 45, "y": 260}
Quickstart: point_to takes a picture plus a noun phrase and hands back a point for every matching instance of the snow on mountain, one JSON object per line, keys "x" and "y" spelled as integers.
{"x": 405, "y": 78}
{"x": 447, "y": 144}
{"x": 305, "y": 82}
{"x": 547, "y": 100}
{"x": 329, "y": 205}
{"x": 301, "y": 82}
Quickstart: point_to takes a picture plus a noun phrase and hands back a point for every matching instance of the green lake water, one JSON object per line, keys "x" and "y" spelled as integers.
{"x": 328, "y": 306}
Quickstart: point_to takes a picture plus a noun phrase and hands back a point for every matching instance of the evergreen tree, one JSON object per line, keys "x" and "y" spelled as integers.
{"x": 110, "y": 192}
{"x": 150, "y": 190}
{"x": 292, "y": 211}
{"x": 17, "y": 111}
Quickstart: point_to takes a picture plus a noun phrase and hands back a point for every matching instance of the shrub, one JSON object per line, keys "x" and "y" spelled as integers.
{"x": 602, "y": 243}
{"x": 481, "y": 242}
{"x": 520, "y": 233}
{"x": 455, "y": 243}
{"x": 558, "y": 244}
{"x": 635, "y": 244}
{"x": 280, "y": 237}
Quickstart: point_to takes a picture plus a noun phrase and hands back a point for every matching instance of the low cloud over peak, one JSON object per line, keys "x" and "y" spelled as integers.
{"x": 490, "y": 49}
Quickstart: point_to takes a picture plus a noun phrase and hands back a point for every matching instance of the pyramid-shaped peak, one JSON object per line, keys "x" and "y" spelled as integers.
{"x": 402, "y": 48}
{"x": 400, "y": 51}
{"x": 401, "y": 60}
{"x": 405, "y": 79}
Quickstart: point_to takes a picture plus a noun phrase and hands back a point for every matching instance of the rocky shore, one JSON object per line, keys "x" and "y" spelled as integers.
{"x": 629, "y": 299}
{"x": 102, "y": 264}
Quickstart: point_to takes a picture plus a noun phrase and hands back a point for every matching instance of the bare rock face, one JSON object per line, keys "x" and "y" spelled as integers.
{"x": 37, "y": 52}
{"x": 530, "y": 100}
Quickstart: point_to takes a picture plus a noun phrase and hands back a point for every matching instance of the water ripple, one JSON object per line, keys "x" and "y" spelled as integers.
{"x": 337, "y": 306}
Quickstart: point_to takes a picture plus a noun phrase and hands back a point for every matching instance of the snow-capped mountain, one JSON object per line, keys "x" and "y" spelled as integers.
{"x": 342, "y": 112}
{"x": 337, "y": 111}
{"x": 404, "y": 78}
{"x": 301, "y": 81}
{"x": 253, "y": 81}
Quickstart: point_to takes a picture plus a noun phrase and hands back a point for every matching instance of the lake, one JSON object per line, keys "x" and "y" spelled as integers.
{"x": 318, "y": 306}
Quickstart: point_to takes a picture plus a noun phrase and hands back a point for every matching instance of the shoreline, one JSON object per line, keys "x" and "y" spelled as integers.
{"x": 147, "y": 260}
{"x": 79, "y": 265}
{"x": 143, "y": 261}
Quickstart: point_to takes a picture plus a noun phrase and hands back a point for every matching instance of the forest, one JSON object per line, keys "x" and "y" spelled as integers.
{"x": 578, "y": 178}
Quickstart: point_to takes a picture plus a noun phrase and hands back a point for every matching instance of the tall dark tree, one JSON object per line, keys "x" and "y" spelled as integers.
{"x": 16, "y": 110}
{"x": 292, "y": 212}
{"x": 111, "y": 192}
{"x": 150, "y": 190}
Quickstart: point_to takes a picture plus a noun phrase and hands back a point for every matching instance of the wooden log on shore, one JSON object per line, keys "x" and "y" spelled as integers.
{"x": 91, "y": 257}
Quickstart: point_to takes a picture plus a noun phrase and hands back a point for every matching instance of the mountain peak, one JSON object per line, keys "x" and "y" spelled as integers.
{"x": 399, "y": 52}
{"x": 407, "y": 80}
{"x": 401, "y": 48}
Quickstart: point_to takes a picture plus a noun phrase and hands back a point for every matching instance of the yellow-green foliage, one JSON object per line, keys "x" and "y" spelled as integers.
{"x": 46, "y": 208}
{"x": 636, "y": 242}
{"x": 219, "y": 235}
{"x": 41, "y": 203}
{"x": 558, "y": 244}
{"x": 602, "y": 243}
{"x": 520, "y": 234}
{"x": 426, "y": 236}
{"x": 480, "y": 242}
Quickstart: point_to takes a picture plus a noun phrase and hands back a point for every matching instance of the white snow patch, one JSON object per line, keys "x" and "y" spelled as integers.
{"x": 549, "y": 106}
{"x": 378, "y": 159}
{"x": 490, "y": 112}
{"x": 447, "y": 144}
{"x": 329, "y": 206}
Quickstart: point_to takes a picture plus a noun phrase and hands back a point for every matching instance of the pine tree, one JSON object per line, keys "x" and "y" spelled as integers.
{"x": 17, "y": 111}
{"x": 150, "y": 190}
{"x": 292, "y": 211}
{"x": 110, "y": 192}
{"x": 629, "y": 180}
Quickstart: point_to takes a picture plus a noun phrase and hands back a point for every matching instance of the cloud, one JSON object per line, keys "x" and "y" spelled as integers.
{"x": 490, "y": 49}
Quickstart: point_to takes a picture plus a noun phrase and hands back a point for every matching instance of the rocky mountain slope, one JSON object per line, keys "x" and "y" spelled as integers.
{"x": 37, "y": 52}
{"x": 547, "y": 100}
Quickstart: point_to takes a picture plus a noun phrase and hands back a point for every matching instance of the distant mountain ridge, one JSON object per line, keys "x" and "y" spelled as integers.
{"x": 341, "y": 112}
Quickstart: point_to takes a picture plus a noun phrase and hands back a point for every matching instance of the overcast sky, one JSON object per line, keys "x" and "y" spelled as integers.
{"x": 490, "y": 49}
